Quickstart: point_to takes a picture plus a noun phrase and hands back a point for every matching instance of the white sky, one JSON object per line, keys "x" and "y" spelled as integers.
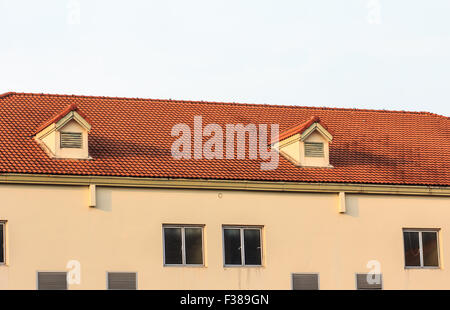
{"x": 309, "y": 53}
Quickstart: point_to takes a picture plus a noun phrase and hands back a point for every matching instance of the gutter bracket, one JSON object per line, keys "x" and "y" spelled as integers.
{"x": 92, "y": 196}
{"x": 341, "y": 203}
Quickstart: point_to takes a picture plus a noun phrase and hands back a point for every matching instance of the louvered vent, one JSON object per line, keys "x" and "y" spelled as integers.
{"x": 305, "y": 281}
{"x": 52, "y": 281}
{"x": 72, "y": 140}
{"x": 314, "y": 149}
{"x": 363, "y": 284}
{"x": 121, "y": 280}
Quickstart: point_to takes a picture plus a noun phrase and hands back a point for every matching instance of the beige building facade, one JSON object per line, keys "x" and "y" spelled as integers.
{"x": 304, "y": 230}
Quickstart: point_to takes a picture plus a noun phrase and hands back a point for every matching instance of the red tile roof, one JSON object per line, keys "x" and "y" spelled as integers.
{"x": 131, "y": 137}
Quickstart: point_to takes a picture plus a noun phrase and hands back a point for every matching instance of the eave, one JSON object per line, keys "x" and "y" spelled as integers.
{"x": 351, "y": 188}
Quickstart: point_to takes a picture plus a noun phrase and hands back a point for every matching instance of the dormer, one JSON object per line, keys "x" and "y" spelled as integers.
{"x": 306, "y": 145}
{"x": 65, "y": 135}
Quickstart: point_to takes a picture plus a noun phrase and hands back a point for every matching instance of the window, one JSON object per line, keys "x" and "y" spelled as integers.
{"x": 71, "y": 140}
{"x": 421, "y": 248}
{"x": 366, "y": 281}
{"x": 52, "y": 281}
{"x": 183, "y": 245}
{"x": 242, "y": 246}
{"x": 314, "y": 149}
{"x": 2, "y": 243}
{"x": 122, "y": 281}
{"x": 305, "y": 281}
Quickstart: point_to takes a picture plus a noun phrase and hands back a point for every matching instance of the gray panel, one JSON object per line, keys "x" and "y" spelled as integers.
{"x": 52, "y": 281}
{"x": 121, "y": 280}
{"x": 305, "y": 281}
{"x": 362, "y": 284}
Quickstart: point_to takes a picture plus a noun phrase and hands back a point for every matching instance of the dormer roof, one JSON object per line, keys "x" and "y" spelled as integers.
{"x": 305, "y": 129}
{"x": 70, "y": 112}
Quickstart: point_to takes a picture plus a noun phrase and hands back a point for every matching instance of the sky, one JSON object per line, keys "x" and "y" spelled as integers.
{"x": 368, "y": 54}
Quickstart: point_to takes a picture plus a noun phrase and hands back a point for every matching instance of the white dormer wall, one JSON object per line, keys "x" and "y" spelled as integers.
{"x": 293, "y": 148}
{"x": 290, "y": 148}
{"x": 47, "y": 139}
{"x": 50, "y": 137}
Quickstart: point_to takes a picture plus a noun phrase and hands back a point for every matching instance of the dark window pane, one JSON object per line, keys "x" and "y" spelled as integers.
{"x": 252, "y": 246}
{"x": 172, "y": 246}
{"x": 412, "y": 251}
{"x": 430, "y": 249}
{"x": 232, "y": 240}
{"x": 2, "y": 248}
{"x": 193, "y": 245}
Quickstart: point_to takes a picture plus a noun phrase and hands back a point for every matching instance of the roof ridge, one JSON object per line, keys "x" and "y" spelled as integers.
{"x": 7, "y": 94}
{"x": 224, "y": 103}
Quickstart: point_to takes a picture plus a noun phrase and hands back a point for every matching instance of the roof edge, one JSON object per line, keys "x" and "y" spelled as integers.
{"x": 221, "y": 103}
{"x": 7, "y": 94}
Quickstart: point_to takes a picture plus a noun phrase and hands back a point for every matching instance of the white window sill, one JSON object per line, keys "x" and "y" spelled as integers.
{"x": 184, "y": 266}
{"x": 243, "y": 266}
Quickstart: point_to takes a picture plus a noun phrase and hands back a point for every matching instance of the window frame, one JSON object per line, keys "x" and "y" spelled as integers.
{"x": 438, "y": 245}
{"x": 241, "y": 234}
{"x": 183, "y": 243}
{"x": 3, "y": 228}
